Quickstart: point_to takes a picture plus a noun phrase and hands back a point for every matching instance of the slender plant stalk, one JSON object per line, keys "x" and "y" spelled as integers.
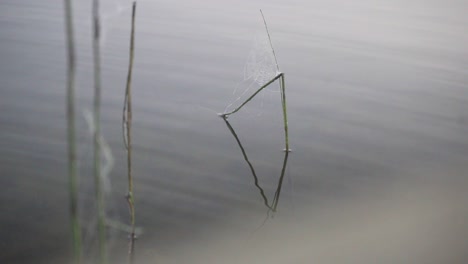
{"x": 72, "y": 160}
{"x": 99, "y": 193}
{"x": 269, "y": 38}
{"x": 225, "y": 115}
{"x": 282, "y": 87}
{"x": 127, "y": 124}
{"x": 285, "y": 113}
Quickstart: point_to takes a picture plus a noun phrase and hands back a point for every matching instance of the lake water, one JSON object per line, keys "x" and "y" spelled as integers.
{"x": 377, "y": 101}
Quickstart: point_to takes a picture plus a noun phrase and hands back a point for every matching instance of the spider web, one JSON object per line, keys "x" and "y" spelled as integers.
{"x": 260, "y": 67}
{"x": 261, "y": 64}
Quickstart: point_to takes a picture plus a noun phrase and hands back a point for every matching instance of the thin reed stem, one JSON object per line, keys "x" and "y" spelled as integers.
{"x": 285, "y": 113}
{"x": 99, "y": 193}
{"x": 225, "y": 115}
{"x": 127, "y": 124}
{"x": 282, "y": 87}
{"x": 269, "y": 38}
{"x": 71, "y": 135}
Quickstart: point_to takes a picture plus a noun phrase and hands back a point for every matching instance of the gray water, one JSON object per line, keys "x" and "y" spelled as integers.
{"x": 376, "y": 94}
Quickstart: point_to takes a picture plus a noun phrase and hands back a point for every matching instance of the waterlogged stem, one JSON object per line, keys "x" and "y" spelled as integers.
{"x": 99, "y": 194}
{"x": 71, "y": 136}
{"x": 127, "y": 123}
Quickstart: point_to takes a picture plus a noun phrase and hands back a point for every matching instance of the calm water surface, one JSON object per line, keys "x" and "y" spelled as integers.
{"x": 376, "y": 96}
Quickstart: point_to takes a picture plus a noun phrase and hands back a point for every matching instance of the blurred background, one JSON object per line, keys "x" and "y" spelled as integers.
{"x": 378, "y": 122}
